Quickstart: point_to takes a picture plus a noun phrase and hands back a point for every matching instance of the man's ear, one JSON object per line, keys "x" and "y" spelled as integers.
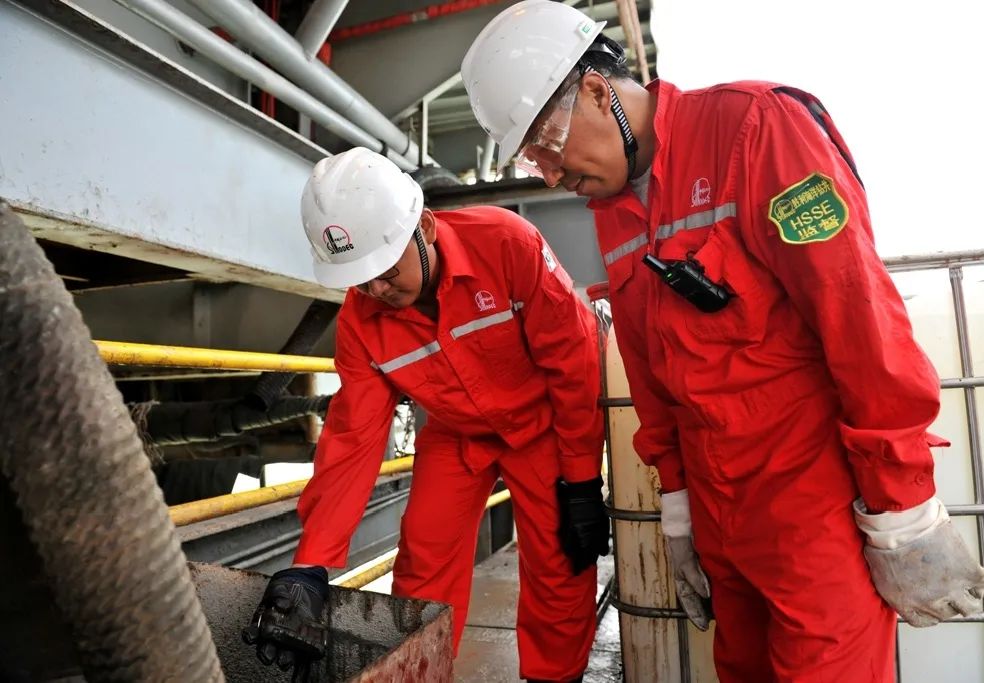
{"x": 428, "y": 225}
{"x": 595, "y": 93}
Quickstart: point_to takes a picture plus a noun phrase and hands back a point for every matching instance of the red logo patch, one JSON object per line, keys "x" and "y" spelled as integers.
{"x": 484, "y": 300}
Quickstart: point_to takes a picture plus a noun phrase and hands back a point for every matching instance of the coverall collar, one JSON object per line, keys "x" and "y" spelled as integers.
{"x": 667, "y": 95}
{"x": 455, "y": 263}
{"x": 455, "y": 260}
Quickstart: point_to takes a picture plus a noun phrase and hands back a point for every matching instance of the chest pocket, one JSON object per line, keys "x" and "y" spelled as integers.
{"x": 412, "y": 371}
{"x": 497, "y": 342}
{"x": 621, "y": 261}
{"x": 621, "y": 270}
{"x": 725, "y": 262}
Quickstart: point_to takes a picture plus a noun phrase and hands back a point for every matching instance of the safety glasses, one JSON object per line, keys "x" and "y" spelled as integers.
{"x": 385, "y": 277}
{"x": 543, "y": 149}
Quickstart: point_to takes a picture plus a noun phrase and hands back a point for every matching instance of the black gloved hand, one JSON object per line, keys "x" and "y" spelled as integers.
{"x": 286, "y": 627}
{"x": 584, "y": 526}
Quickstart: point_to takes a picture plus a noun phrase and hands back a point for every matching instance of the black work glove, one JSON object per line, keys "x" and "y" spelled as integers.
{"x": 286, "y": 626}
{"x": 584, "y": 526}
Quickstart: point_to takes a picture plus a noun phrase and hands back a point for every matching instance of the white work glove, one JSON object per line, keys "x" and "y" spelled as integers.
{"x": 692, "y": 590}
{"x": 920, "y": 564}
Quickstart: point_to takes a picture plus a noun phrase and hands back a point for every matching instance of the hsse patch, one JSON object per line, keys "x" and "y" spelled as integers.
{"x": 809, "y": 211}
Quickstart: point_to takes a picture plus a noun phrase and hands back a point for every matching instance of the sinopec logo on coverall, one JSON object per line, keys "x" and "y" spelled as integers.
{"x": 700, "y": 194}
{"x": 549, "y": 259}
{"x": 808, "y": 211}
{"x": 337, "y": 239}
{"x": 484, "y": 300}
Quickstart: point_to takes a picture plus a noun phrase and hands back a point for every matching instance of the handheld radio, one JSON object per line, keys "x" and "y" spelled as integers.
{"x": 687, "y": 279}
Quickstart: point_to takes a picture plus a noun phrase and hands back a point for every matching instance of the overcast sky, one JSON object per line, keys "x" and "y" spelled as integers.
{"x": 901, "y": 81}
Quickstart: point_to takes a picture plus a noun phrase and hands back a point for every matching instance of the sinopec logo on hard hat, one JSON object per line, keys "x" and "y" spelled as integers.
{"x": 337, "y": 239}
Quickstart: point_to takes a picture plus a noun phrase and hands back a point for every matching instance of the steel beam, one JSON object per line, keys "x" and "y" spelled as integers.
{"x": 450, "y": 83}
{"x": 903, "y": 264}
{"x": 318, "y": 23}
{"x": 118, "y": 45}
{"x": 248, "y": 23}
{"x": 485, "y": 168}
{"x": 189, "y": 31}
{"x": 396, "y": 69}
{"x": 970, "y": 397}
{"x": 502, "y": 193}
{"x": 143, "y": 170}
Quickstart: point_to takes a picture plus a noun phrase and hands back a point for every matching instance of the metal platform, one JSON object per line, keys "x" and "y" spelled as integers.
{"x": 488, "y": 647}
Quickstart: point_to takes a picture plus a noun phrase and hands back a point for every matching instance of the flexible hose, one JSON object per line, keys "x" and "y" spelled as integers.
{"x": 84, "y": 486}
{"x": 171, "y": 424}
{"x": 271, "y": 385}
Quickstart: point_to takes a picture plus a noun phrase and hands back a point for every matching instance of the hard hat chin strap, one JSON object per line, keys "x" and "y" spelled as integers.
{"x": 628, "y": 139}
{"x": 630, "y": 146}
{"x": 418, "y": 237}
{"x": 606, "y": 45}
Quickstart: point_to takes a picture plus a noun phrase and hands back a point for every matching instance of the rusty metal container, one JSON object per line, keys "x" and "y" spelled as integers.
{"x": 374, "y": 637}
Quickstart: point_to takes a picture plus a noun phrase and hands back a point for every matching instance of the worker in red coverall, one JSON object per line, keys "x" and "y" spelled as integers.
{"x": 780, "y": 391}
{"x": 469, "y": 314}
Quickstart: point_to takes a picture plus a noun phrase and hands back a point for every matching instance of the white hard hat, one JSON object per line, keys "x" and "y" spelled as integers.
{"x": 518, "y": 61}
{"x": 359, "y": 211}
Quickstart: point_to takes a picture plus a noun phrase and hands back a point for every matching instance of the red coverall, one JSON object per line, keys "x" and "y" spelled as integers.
{"x": 509, "y": 377}
{"x": 804, "y": 392}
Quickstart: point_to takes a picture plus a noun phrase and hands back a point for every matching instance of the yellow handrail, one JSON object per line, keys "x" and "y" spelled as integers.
{"x": 496, "y": 498}
{"x": 366, "y": 573}
{"x": 210, "y": 508}
{"x": 126, "y": 353}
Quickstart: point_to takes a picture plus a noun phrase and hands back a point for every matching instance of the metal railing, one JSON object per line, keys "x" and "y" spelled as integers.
{"x": 126, "y": 353}
{"x": 954, "y": 263}
{"x": 219, "y": 506}
{"x": 366, "y": 573}
{"x": 156, "y": 355}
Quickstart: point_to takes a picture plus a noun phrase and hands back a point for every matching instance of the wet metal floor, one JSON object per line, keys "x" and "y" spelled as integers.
{"x": 488, "y": 648}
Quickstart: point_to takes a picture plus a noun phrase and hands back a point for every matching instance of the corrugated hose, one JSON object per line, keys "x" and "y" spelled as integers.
{"x": 84, "y": 486}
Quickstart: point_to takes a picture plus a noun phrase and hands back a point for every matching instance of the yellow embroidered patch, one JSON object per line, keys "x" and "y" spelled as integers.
{"x": 809, "y": 211}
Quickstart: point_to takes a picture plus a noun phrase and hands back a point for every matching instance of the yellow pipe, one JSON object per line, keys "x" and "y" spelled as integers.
{"x": 497, "y": 498}
{"x": 396, "y": 466}
{"x": 210, "y": 508}
{"x": 125, "y": 353}
{"x": 365, "y": 574}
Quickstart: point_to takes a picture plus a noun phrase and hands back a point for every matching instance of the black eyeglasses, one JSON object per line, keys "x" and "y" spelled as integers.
{"x": 385, "y": 277}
